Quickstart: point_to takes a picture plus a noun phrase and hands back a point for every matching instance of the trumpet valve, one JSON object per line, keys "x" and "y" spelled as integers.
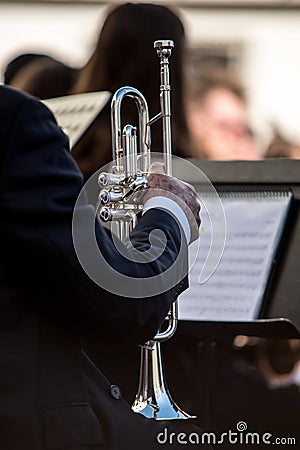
{"x": 138, "y": 184}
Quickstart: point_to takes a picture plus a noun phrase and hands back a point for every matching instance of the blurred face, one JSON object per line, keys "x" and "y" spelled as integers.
{"x": 219, "y": 127}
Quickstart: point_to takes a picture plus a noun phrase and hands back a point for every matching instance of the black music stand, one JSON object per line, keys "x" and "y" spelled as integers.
{"x": 280, "y": 314}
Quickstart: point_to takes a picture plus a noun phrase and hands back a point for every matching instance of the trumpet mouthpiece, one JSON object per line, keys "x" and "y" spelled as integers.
{"x": 164, "y": 47}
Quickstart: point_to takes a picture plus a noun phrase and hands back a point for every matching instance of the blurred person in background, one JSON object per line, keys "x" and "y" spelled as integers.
{"x": 16, "y": 64}
{"x": 124, "y": 56}
{"x": 217, "y": 118}
{"x": 40, "y": 75}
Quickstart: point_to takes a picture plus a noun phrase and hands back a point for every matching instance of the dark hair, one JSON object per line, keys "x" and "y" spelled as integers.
{"x": 211, "y": 79}
{"x": 124, "y": 55}
{"x": 45, "y": 77}
{"x": 15, "y": 65}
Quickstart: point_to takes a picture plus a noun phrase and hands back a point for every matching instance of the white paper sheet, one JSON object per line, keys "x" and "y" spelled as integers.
{"x": 75, "y": 113}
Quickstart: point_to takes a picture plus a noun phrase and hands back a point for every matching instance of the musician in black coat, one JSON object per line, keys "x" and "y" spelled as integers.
{"x": 51, "y": 394}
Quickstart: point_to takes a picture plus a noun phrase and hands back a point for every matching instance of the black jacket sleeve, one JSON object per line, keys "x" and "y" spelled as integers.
{"x": 40, "y": 183}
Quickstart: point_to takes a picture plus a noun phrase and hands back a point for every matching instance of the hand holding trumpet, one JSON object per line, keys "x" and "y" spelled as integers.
{"x": 184, "y": 194}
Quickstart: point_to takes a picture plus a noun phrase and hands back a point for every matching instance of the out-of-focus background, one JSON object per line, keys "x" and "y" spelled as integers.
{"x": 258, "y": 39}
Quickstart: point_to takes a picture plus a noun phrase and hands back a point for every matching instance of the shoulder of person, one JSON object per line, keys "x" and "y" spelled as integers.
{"x": 13, "y": 100}
{"x": 9, "y": 92}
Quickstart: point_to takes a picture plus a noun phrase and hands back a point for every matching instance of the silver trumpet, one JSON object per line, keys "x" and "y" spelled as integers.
{"x": 119, "y": 203}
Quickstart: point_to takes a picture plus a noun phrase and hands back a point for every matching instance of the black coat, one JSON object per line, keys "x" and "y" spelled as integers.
{"x": 51, "y": 394}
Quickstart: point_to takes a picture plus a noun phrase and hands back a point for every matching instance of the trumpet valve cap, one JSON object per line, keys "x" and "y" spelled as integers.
{"x": 104, "y": 197}
{"x": 105, "y": 214}
{"x": 103, "y": 180}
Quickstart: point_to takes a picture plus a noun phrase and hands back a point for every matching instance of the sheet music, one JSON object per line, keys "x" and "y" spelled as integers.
{"x": 235, "y": 291}
{"x": 75, "y": 113}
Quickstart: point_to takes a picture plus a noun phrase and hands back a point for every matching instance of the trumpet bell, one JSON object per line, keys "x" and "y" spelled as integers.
{"x": 153, "y": 399}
